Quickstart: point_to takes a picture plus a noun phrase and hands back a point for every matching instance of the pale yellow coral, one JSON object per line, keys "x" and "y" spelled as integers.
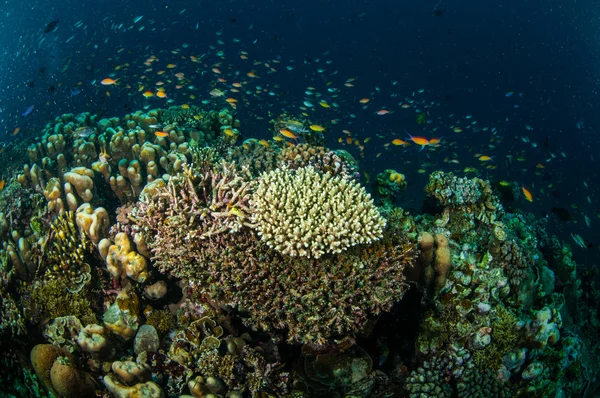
{"x": 82, "y": 179}
{"x": 148, "y": 389}
{"x": 92, "y": 222}
{"x": 306, "y": 213}
{"x": 122, "y": 260}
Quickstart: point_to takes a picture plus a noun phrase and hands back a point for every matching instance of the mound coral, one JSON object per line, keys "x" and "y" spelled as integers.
{"x": 306, "y": 213}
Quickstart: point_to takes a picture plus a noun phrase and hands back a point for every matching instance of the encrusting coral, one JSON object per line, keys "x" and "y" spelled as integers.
{"x": 305, "y": 213}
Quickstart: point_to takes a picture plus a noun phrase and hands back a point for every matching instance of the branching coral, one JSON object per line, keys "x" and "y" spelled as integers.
{"x": 66, "y": 253}
{"x": 313, "y": 299}
{"x": 305, "y": 213}
{"x": 192, "y": 209}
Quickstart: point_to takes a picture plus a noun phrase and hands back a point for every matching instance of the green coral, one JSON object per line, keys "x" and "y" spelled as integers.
{"x": 52, "y": 299}
{"x": 162, "y": 320}
{"x": 505, "y": 337}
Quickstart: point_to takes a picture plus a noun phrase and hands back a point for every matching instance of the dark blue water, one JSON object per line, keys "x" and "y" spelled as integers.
{"x": 465, "y": 57}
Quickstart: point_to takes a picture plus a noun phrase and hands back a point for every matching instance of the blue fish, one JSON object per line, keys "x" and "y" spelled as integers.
{"x": 28, "y": 110}
{"x": 74, "y": 93}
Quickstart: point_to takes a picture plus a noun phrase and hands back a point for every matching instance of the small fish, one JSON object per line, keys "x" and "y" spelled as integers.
{"x": 579, "y": 240}
{"x": 230, "y": 132}
{"x": 84, "y": 131}
{"x": 382, "y": 112}
{"x": 51, "y": 26}
{"x": 16, "y": 130}
{"x": 156, "y": 126}
{"x": 28, "y": 110}
{"x": 364, "y": 100}
{"x": 422, "y": 141}
{"x": 138, "y": 19}
{"x": 317, "y": 128}
{"x": 485, "y": 158}
{"x": 161, "y": 134}
{"x": 398, "y": 141}
{"x": 287, "y": 133}
{"x": 527, "y": 194}
{"x": 108, "y": 81}
{"x": 2, "y": 184}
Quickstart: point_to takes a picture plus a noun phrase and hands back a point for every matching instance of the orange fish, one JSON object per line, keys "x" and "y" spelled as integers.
{"x": 485, "y": 158}
{"x": 383, "y": 112}
{"x": 16, "y": 130}
{"x": 2, "y": 183}
{"x": 287, "y": 133}
{"x": 108, "y": 82}
{"x": 216, "y": 70}
{"x": 161, "y": 94}
{"x": 148, "y": 94}
{"x": 398, "y": 141}
{"x": 364, "y": 100}
{"x": 420, "y": 141}
{"x": 527, "y": 194}
{"x": 161, "y": 134}
{"x": 435, "y": 141}
{"x": 231, "y": 100}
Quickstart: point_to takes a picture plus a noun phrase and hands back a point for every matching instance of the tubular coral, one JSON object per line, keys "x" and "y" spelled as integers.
{"x": 307, "y": 214}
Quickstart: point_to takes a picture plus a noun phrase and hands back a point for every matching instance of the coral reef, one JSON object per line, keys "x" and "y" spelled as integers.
{"x": 182, "y": 264}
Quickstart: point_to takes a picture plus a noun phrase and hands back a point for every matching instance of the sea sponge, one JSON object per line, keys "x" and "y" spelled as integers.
{"x": 148, "y": 389}
{"x": 306, "y": 213}
{"x": 442, "y": 261}
{"x": 69, "y": 382}
{"x": 92, "y": 222}
{"x": 122, "y": 260}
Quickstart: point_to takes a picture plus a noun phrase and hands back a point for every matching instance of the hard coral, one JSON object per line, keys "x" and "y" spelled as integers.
{"x": 314, "y": 299}
{"x": 70, "y": 382}
{"x": 148, "y": 389}
{"x": 193, "y": 210}
{"x": 308, "y": 214}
